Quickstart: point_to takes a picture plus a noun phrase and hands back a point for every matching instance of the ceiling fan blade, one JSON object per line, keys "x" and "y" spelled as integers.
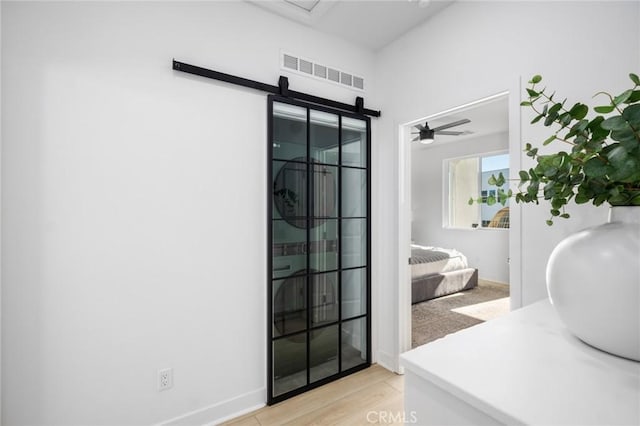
{"x": 453, "y": 124}
{"x": 419, "y": 127}
{"x": 417, "y": 138}
{"x": 448, "y": 132}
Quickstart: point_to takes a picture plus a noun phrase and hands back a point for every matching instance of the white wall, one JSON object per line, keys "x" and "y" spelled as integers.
{"x": 486, "y": 249}
{"x": 134, "y": 206}
{"x": 475, "y": 49}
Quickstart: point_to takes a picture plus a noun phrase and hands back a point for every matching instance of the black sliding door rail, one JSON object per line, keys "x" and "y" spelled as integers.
{"x": 281, "y": 89}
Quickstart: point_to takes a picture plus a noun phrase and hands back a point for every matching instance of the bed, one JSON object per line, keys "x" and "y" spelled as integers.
{"x": 437, "y": 271}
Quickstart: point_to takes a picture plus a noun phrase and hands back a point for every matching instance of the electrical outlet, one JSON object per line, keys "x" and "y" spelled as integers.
{"x": 165, "y": 379}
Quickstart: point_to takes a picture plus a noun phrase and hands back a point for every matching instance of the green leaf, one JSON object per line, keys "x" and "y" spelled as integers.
{"x": 635, "y": 79}
{"x": 555, "y": 212}
{"x": 492, "y": 180}
{"x": 579, "y": 111}
{"x": 632, "y": 114}
{"x": 614, "y": 123}
{"x": 555, "y": 108}
{"x": 532, "y": 93}
{"x": 565, "y": 119}
{"x": 470, "y": 201}
{"x": 605, "y": 109}
{"x": 524, "y": 176}
{"x": 635, "y": 97}
{"x": 536, "y": 119}
{"x": 581, "y": 198}
{"x": 549, "y": 140}
{"x": 549, "y": 222}
{"x": 525, "y": 103}
{"x": 551, "y": 171}
{"x": 538, "y": 78}
{"x": 491, "y": 200}
{"x": 595, "y": 168}
{"x": 565, "y": 215}
{"x": 622, "y": 97}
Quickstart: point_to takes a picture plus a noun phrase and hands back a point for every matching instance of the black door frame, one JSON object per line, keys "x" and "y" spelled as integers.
{"x": 271, "y": 399}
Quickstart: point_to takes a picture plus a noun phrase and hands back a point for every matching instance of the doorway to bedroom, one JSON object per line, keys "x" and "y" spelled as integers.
{"x": 459, "y": 222}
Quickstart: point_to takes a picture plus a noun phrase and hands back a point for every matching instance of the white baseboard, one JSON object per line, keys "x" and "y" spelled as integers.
{"x": 387, "y": 361}
{"x": 221, "y": 411}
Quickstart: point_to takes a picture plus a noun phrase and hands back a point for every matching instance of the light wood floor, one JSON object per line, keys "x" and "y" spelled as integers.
{"x": 371, "y": 396}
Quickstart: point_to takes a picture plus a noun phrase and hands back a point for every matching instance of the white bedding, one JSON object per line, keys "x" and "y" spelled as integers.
{"x": 455, "y": 261}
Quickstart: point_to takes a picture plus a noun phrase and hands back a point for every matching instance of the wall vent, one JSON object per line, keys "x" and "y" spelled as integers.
{"x": 306, "y": 66}
{"x": 290, "y": 62}
{"x": 320, "y": 71}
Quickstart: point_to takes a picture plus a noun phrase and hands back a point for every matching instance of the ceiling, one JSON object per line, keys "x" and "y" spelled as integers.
{"x": 372, "y": 24}
{"x": 487, "y": 117}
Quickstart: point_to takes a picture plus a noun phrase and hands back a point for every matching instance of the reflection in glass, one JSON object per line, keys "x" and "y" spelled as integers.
{"x": 325, "y": 192}
{"x": 323, "y": 246}
{"x": 324, "y": 352}
{"x": 289, "y": 363}
{"x": 290, "y": 191}
{"x": 354, "y": 142}
{"x": 354, "y": 343}
{"x": 290, "y": 305}
{"x": 354, "y": 243}
{"x": 289, "y": 131}
{"x": 289, "y": 249}
{"x": 354, "y": 293}
{"x": 324, "y": 298}
{"x": 354, "y": 192}
{"x": 324, "y": 137}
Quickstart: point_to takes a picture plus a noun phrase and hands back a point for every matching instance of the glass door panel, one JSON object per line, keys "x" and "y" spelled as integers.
{"x": 290, "y": 192}
{"x": 319, "y": 284}
{"x": 289, "y": 363}
{"x": 354, "y": 343}
{"x": 324, "y": 352}
{"x": 289, "y": 135}
{"x": 324, "y": 137}
{"x": 324, "y": 299}
{"x": 354, "y": 243}
{"x": 354, "y": 293}
{"x": 354, "y": 142}
{"x": 323, "y": 245}
{"x": 324, "y": 189}
{"x": 354, "y": 192}
{"x": 289, "y": 305}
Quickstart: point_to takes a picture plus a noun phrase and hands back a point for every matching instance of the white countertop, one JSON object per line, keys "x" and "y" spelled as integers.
{"x": 527, "y": 368}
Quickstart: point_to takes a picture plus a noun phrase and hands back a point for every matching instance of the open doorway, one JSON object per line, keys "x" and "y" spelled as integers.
{"x": 458, "y": 273}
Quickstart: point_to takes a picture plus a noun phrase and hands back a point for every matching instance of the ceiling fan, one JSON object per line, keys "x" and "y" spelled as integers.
{"x": 426, "y": 134}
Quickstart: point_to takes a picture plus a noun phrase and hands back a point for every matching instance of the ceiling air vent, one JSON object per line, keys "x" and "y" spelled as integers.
{"x": 290, "y": 62}
{"x": 334, "y": 75}
{"x": 320, "y": 71}
{"x": 306, "y": 66}
{"x": 346, "y": 79}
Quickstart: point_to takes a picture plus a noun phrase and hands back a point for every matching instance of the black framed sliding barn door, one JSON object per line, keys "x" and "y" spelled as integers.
{"x": 319, "y": 287}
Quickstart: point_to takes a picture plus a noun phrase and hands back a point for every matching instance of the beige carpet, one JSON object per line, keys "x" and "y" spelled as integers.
{"x": 436, "y": 318}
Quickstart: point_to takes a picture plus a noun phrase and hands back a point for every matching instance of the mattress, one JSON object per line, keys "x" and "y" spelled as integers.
{"x": 427, "y": 260}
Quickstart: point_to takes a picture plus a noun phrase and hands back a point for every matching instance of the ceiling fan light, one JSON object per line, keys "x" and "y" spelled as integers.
{"x": 426, "y": 141}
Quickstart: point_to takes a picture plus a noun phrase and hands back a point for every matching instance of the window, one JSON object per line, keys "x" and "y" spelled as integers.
{"x": 468, "y": 177}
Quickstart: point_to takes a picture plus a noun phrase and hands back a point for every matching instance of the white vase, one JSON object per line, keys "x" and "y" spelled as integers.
{"x": 593, "y": 280}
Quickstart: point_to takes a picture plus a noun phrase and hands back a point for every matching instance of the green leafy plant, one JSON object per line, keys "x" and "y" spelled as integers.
{"x": 601, "y": 162}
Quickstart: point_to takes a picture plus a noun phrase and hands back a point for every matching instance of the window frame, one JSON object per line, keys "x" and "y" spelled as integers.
{"x": 446, "y": 190}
